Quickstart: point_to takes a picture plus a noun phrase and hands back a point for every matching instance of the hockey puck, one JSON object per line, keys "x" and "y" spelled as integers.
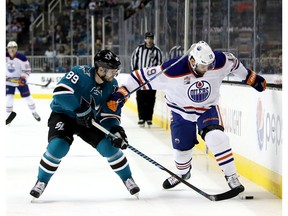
{"x": 246, "y": 197}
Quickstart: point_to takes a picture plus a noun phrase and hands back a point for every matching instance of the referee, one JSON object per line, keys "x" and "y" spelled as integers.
{"x": 146, "y": 55}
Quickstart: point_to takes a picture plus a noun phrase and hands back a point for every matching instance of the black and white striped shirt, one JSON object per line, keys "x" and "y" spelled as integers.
{"x": 146, "y": 57}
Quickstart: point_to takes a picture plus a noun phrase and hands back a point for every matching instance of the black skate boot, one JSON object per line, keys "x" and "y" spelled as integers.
{"x": 38, "y": 189}
{"x": 149, "y": 123}
{"x": 132, "y": 187}
{"x": 234, "y": 183}
{"x": 141, "y": 123}
{"x": 36, "y": 116}
{"x": 171, "y": 182}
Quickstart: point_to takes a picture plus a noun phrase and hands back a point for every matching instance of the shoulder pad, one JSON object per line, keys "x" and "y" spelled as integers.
{"x": 220, "y": 59}
{"x": 21, "y": 56}
{"x": 179, "y": 69}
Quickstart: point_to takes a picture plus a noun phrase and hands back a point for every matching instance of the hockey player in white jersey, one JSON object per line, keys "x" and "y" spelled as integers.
{"x": 17, "y": 71}
{"x": 192, "y": 89}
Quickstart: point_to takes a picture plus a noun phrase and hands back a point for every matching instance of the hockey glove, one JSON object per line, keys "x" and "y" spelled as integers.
{"x": 84, "y": 116}
{"x": 121, "y": 141}
{"x": 22, "y": 81}
{"x": 116, "y": 100}
{"x": 256, "y": 81}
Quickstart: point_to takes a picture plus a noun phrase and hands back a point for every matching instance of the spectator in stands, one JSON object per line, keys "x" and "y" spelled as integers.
{"x": 82, "y": 50}
{"x": 50, "y": 52}
{"x": 59, "y": 68}
{"x": 46, "y": 68}
{"x": 60, "y": 36}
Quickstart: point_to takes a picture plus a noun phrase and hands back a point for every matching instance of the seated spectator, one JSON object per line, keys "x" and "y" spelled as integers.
{"x": 49, "y": 52}
{"x": 82, "y": 50}
{"x": 46, "y": 68}
{"x": 59, "y": 68}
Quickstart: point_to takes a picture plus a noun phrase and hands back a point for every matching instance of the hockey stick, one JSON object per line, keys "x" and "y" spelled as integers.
{"x": 156, "y": 75}
{"x": 216, "y": 197}
{"x": 42, "y": 85}
{"x": 10, "y": 117}
{"x": 36, "y": 84}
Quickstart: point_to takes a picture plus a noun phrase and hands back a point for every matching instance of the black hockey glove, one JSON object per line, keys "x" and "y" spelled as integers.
{"x": 121, "y": 141}
{"x": 256, "y": 81}
{"x": 84, "y": 116}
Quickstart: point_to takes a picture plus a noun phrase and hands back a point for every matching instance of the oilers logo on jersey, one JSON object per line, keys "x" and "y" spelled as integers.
{"x": 10, "y": 67}
{"x": 199, "y": 91}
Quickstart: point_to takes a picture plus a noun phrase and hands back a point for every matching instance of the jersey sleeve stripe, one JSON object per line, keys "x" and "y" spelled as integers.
{"x": 135, "y": 78}
{"x": 63, "y": 89}
{"x": 139, "y": 78}
{"x": 145, "y": 80}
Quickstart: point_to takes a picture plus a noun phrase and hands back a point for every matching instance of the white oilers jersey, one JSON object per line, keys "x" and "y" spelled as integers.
{"x": 186, "y": 93}
{"x": 16, "y": 67}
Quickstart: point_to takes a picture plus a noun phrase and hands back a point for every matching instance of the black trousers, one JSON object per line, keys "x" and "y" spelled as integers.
{"x": 145, "y": 103}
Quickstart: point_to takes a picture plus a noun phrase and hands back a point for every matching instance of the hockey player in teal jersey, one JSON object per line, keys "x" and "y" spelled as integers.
{"x": 79, "y": 97}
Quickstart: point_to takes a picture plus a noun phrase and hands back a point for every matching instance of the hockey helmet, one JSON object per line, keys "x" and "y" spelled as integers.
{"x": 107, "y": 59}
{"x": 203, "y": 55}
{"x": 12, "y": 44}
{"x": 149, "y": 34}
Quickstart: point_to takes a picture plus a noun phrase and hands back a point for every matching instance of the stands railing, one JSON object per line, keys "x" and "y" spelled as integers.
{"x": 52, "y": 6}
{"x": 35, "y": 24}
{"x": 64, "y": 63}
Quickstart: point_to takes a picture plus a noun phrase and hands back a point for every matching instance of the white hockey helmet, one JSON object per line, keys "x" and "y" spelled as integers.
{"x": 12, "y": 44}
{"x": 203, "y": 55}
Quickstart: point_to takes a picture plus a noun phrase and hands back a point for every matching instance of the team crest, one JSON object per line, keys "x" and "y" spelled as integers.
{"x": 11, "y": 67}
{"x": 199, "y": 91}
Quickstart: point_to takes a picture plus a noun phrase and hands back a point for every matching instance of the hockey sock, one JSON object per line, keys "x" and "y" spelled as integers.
{"x": 116, "y": 159}
{"x": 56, "y": 149}
{"x": 182, "y": 161}
{"x": 218, "y": 142}
{"x": 9, "y": 103}
{"x": 30, "y": 104}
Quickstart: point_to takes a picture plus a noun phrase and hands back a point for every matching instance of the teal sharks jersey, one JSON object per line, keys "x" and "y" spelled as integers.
{"x": 78, "y": 88}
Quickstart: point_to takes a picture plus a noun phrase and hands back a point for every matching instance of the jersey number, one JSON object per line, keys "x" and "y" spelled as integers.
{"x": 73, "y": 77}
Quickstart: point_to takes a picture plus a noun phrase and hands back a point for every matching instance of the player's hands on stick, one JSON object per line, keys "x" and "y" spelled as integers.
{"x": 121, "y": 141}
{"x": 22, "y": 81}
{"x": 84, "y": 116}
{"x": 117, "y": 100}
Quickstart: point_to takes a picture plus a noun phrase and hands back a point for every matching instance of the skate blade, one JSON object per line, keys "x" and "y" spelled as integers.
{"x": 33, "y": 200}
{"x": 136, "y": 195}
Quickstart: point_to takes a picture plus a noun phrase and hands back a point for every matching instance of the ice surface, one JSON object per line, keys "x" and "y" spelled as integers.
{"x": 85, "y": 185}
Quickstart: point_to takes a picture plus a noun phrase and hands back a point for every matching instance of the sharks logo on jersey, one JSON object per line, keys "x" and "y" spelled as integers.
{"x": 199, "y": 91}
{"x": 96, "y": 91}
{"x": 85, "y": 69}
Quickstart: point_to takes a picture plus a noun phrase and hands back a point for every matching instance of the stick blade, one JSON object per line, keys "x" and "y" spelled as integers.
{"x": 226, "y": 195}
{"x": 48, "y": 83}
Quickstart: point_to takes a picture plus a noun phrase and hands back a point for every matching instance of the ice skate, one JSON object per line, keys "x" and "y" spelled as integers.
{"x": 38, "y": 189}
{"x": 234, "y": 182}
{"x": 36, "y": 116}
{"x": 171, "y": 182}
{"x": 149, "y": 123}
{"x": 141, "y": 123}
{"x": 132, "y": 187}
